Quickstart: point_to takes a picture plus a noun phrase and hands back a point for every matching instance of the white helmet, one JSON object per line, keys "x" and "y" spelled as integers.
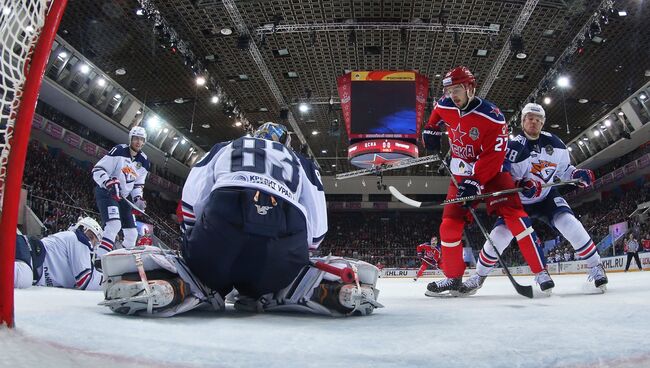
{"x": 137, "y": 131}
{"x": 534, "y": 109}
{"x": 91, "y": 225}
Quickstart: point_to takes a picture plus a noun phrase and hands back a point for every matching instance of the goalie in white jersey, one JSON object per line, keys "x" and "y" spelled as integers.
{"x": 252, "y": 209}
{"x": 119, "y": 174}
{"x": 538, "y": 157}
{"x": 64, "y": 259}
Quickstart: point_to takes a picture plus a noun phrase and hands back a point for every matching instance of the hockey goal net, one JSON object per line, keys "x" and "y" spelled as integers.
{"x": 27, "y": 30}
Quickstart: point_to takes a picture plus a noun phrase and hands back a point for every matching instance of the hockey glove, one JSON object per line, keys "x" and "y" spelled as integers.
{"x": 140, "y": 203}
{"x": 531, "y": 188}
{"x": 431, "y": 139}
{"x": 467, "y": 188}
{"x": 585, "y": 176}
{"x": 113, "y": 187}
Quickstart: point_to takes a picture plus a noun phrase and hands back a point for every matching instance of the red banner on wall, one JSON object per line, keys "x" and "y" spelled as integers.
{"x": 53, "y": 130}
{"x": 38, "y": 122}
{"x": 88, "y": 148}
{"x": 101, "y": 152}
{"x": 72, "y": 139}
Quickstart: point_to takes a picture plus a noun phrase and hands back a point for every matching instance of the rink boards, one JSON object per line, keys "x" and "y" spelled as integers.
{"x": 611, "y": 264}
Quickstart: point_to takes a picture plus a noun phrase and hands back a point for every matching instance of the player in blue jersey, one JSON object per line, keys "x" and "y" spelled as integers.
{"x": 252, "y": 209}
{"x": 120, "y": 174}
{"x": 538, "y": 157}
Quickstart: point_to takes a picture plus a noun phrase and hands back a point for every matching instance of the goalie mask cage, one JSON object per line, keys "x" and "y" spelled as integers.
{"x": 27, "y": 30}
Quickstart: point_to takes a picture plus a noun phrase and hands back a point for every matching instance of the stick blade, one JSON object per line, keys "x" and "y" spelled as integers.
{"x": 524, "y": 290}
{"x": 402, "y": 198}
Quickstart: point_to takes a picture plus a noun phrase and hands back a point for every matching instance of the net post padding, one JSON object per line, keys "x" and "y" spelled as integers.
{"x": 24, "y": 103}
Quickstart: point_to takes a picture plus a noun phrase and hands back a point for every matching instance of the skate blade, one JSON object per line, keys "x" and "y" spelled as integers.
{"x": 444, "y": 294}
{"x": 538, "y": 293}
{"x": 590, "y": 288}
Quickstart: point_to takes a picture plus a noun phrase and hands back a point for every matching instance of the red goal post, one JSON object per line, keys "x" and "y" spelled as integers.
{"x": 27, "y": 30}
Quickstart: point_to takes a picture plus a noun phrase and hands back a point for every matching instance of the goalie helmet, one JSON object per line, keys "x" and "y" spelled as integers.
{"x": 137, "y": 131}
{"x": 533, "y": 108}
{"x": 273, "y": 132}
{"x": 434, "y": 240}
{"x": 88, "y": 223}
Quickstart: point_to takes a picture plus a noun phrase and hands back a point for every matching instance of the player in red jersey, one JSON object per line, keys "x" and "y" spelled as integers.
{"x": 429, "y": 254}
{"x": 478, "y": 136}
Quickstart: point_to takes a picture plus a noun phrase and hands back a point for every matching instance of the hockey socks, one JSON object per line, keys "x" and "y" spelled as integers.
{"x": 521, "y": 228}
{"x": 453, "y": 265}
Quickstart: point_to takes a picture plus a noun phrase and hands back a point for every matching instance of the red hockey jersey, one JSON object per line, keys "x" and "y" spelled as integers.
{"x": 478, "y": 137}
{"x": 426, "y": 250}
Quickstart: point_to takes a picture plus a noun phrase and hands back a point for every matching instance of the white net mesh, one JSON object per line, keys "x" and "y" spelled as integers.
{"x": 20, "y": 24}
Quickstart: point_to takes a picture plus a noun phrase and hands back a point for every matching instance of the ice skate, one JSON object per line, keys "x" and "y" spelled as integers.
{"x": 545, "y": 282}
{"x": 471, "y": 285}
{"x": 444, "y": 287}
{"x": 598, "y": 276}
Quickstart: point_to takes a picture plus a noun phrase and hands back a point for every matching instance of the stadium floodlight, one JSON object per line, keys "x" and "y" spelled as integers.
{"x": 563, "y": 81}
{"x": 153, "y": 122}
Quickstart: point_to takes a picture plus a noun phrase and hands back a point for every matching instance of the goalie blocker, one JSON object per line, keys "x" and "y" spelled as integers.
{"x": 146, "y": 281}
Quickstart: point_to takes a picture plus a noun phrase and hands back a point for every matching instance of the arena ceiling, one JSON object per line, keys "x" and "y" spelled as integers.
{"x": 112, "y": 35}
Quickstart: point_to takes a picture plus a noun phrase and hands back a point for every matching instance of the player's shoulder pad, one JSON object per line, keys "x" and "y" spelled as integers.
{"x": 311, "y": 170}
{"x": 445, "y": 103}
{"x": 547, "y": 138}
{"x": 518, "y": 144}
{"x": 213, "y": 151}
{"x": 141, "y": 157}
{"x": 491, "y": 111}
{"x": 121, "y": 150}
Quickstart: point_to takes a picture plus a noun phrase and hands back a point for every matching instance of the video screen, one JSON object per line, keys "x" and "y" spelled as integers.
{"x": 383, "y": 107}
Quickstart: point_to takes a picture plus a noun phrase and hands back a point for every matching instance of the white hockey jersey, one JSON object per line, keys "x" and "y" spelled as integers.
{"x": 118, "y": 163}
{"x": 264, "y": 165}
{"x": 68, "y": 262}
{"x": 545, "y": 160}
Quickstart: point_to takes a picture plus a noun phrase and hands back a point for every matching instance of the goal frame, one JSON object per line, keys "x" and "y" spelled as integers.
{"x": 17, "y": 154}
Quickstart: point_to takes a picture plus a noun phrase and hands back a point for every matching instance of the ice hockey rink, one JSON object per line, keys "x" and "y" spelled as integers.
{"x": 494, "y": 328}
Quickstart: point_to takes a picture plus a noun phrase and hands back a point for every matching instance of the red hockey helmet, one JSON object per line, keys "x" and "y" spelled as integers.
{"x": 459, "y": 75}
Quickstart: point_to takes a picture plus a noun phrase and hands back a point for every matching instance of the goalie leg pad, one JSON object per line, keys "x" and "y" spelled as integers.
{"x": 316, "y": 291}
{"x": 148, "y": 281}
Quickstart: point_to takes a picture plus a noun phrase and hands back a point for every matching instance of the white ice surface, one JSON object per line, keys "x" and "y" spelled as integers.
{"x": 494, "y": 328}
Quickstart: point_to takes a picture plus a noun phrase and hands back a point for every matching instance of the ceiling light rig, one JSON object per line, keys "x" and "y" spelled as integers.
{"x": 591, "y": 26}
{"x": 171, "y": 38}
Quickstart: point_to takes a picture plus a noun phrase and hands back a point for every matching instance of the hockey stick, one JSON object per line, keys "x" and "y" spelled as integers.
{"x": 427, "y": 262}
{"x": 527, "y": 290}
{"x": 413, "y": 203}
{"x": 150, "y": 217}
{"x": 390, "y": 166}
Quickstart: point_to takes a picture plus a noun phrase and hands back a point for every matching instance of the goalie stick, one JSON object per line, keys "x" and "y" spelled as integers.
{"x": 390, "y": 166}
{"x": 413, "y": 203}
{"x": 526, "y": 290}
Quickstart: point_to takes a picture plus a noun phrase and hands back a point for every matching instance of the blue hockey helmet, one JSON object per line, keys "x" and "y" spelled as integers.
{"x": 273, "y": 132}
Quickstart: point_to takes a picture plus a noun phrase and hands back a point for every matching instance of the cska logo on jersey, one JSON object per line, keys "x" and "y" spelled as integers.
{"x": 544, "y": 170}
